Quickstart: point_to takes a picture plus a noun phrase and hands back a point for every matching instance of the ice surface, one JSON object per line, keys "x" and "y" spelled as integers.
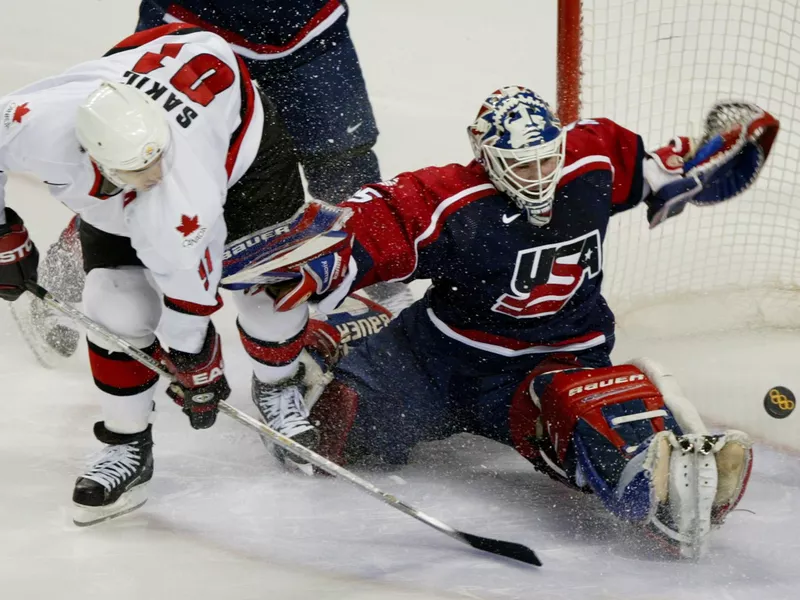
{"x": 224, "y": 522}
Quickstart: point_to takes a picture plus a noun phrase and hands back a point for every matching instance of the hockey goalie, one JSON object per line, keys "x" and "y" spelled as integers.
{"x": 513, "y": 339}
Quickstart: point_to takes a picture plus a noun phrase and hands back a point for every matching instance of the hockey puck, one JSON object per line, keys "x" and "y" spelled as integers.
{"x": 779, "y": 402}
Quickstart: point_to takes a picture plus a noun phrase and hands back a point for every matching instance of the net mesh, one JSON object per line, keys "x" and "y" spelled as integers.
{"x": 657, "y": 67}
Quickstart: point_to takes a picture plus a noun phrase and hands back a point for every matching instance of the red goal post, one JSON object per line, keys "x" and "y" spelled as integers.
{"x": 656, "y": 67}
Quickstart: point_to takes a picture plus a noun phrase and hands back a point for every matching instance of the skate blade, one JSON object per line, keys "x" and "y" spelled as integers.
{"x": 86, "y": 516}
{"x": 287, "y": 461}
{"x": 301, "y": 468}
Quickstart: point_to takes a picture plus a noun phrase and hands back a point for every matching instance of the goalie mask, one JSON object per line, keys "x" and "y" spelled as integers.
{"x": 125, "y": 134}
{"x": 521, "y": 145}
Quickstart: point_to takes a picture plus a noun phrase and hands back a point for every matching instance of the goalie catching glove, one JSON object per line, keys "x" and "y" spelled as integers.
{"x": 736, "y": 142}
{"x": 200, "y": 381}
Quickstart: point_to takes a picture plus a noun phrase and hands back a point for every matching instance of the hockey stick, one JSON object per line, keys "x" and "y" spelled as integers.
{"x": 499, "y": 547}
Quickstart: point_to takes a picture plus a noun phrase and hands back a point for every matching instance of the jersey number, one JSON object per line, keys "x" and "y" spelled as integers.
{"x": 200, "y": 79}
{"x": 545, "y": 278}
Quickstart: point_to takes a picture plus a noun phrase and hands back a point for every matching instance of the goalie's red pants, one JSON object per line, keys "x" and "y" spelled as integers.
{"x": 410, "y": 383}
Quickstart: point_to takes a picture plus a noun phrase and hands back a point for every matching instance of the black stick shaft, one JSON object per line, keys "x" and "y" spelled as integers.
{"x": 499, "y": 547}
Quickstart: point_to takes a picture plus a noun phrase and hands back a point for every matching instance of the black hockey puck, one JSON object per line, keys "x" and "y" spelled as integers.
{"x": 779, "y": 402}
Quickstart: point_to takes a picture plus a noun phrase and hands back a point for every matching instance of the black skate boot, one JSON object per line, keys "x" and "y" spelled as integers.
{"x": 283, "y": 409}
{"x": 116, "y": 482}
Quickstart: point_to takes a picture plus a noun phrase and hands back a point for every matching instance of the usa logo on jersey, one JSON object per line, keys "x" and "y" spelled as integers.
{"x": 546, "y": 277}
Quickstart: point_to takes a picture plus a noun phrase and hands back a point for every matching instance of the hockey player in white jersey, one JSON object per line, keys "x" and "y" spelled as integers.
{"x": 165, "y": 150}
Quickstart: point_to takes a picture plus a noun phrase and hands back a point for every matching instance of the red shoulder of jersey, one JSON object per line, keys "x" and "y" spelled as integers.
{"x": 394, "y": 219}
{"x": 602, "y": 144}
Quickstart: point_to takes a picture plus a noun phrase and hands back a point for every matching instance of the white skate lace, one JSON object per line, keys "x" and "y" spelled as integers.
{"x": 113, "y": 464}
{"x": 283, "y": 409}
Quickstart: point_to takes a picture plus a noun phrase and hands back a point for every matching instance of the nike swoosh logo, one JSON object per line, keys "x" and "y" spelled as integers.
{"x": 507, "y": 219}
{"x": 353, "y": 128}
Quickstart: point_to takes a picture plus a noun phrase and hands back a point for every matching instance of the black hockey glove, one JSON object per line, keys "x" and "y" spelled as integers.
{"x": 19, "y": 258}
{"x": 200, "y": 381}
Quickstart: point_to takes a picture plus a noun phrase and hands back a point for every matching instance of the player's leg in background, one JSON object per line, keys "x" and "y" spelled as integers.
{"x": 150, "y": 15}
{"x": 119, "y": 296}
{"x": 322, "y": 97}
{"x": 389, "y": 393}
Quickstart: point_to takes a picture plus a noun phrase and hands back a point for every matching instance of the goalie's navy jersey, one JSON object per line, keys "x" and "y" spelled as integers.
{"x": 501, "y": 284}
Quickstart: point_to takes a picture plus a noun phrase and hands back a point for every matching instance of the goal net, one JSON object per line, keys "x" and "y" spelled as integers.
{"x": 657, "y": 67}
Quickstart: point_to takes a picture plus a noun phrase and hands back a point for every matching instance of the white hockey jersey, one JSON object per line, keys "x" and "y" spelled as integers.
{"x": 216, "y": 119}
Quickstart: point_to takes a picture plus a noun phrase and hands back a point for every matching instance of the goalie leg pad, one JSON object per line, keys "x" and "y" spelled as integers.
{"x": 598, "y": 420}
{"x": 628, "y": 434}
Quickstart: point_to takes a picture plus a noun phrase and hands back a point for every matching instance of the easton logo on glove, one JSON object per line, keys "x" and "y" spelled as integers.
{"x": 206, "y": 378}
{"x": 17, "y": 253}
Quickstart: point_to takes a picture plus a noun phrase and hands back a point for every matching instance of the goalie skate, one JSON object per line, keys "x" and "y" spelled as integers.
{"x": 696, "y": 481}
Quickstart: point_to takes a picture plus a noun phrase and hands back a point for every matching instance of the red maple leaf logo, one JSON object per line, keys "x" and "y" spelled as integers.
{"x": 20, "y": 112}
{"x": 188, "y": 225}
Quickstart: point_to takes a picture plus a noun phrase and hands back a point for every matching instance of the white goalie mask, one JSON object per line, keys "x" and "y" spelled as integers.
{"x": 521, "y": 144}
{"x": 125, "y": 134}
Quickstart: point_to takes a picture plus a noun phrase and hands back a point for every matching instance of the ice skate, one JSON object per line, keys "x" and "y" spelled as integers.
{"x": 696, "y": 480}
{"x": 116, "y": 482}
{"x": 283, "y": 409}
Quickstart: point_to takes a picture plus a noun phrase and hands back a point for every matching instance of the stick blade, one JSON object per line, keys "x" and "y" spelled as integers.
{"x": 501, "y": 548}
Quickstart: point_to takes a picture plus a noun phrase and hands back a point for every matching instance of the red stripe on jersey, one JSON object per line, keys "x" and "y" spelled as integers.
{"x": 447, "y": 208}
{"x": 274, "y": 354}
{"x": 118, "y": 374}
{"x": 246, "y": 115}
{"x": 515, "y": 344}
{"x": 192, "y": 308}
{"x": 593, "y": 141}
{"x": 179, "y": 12}
{"x": 583, "y": 166}
{"x": 146, "y": 36}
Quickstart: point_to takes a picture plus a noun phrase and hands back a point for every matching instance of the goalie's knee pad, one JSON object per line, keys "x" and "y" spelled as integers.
{"x": 596, "y": 421}
{"x": 333, "y": 415}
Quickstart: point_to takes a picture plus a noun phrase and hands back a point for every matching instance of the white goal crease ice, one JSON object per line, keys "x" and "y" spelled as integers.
{"x": 657, "y": 67}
